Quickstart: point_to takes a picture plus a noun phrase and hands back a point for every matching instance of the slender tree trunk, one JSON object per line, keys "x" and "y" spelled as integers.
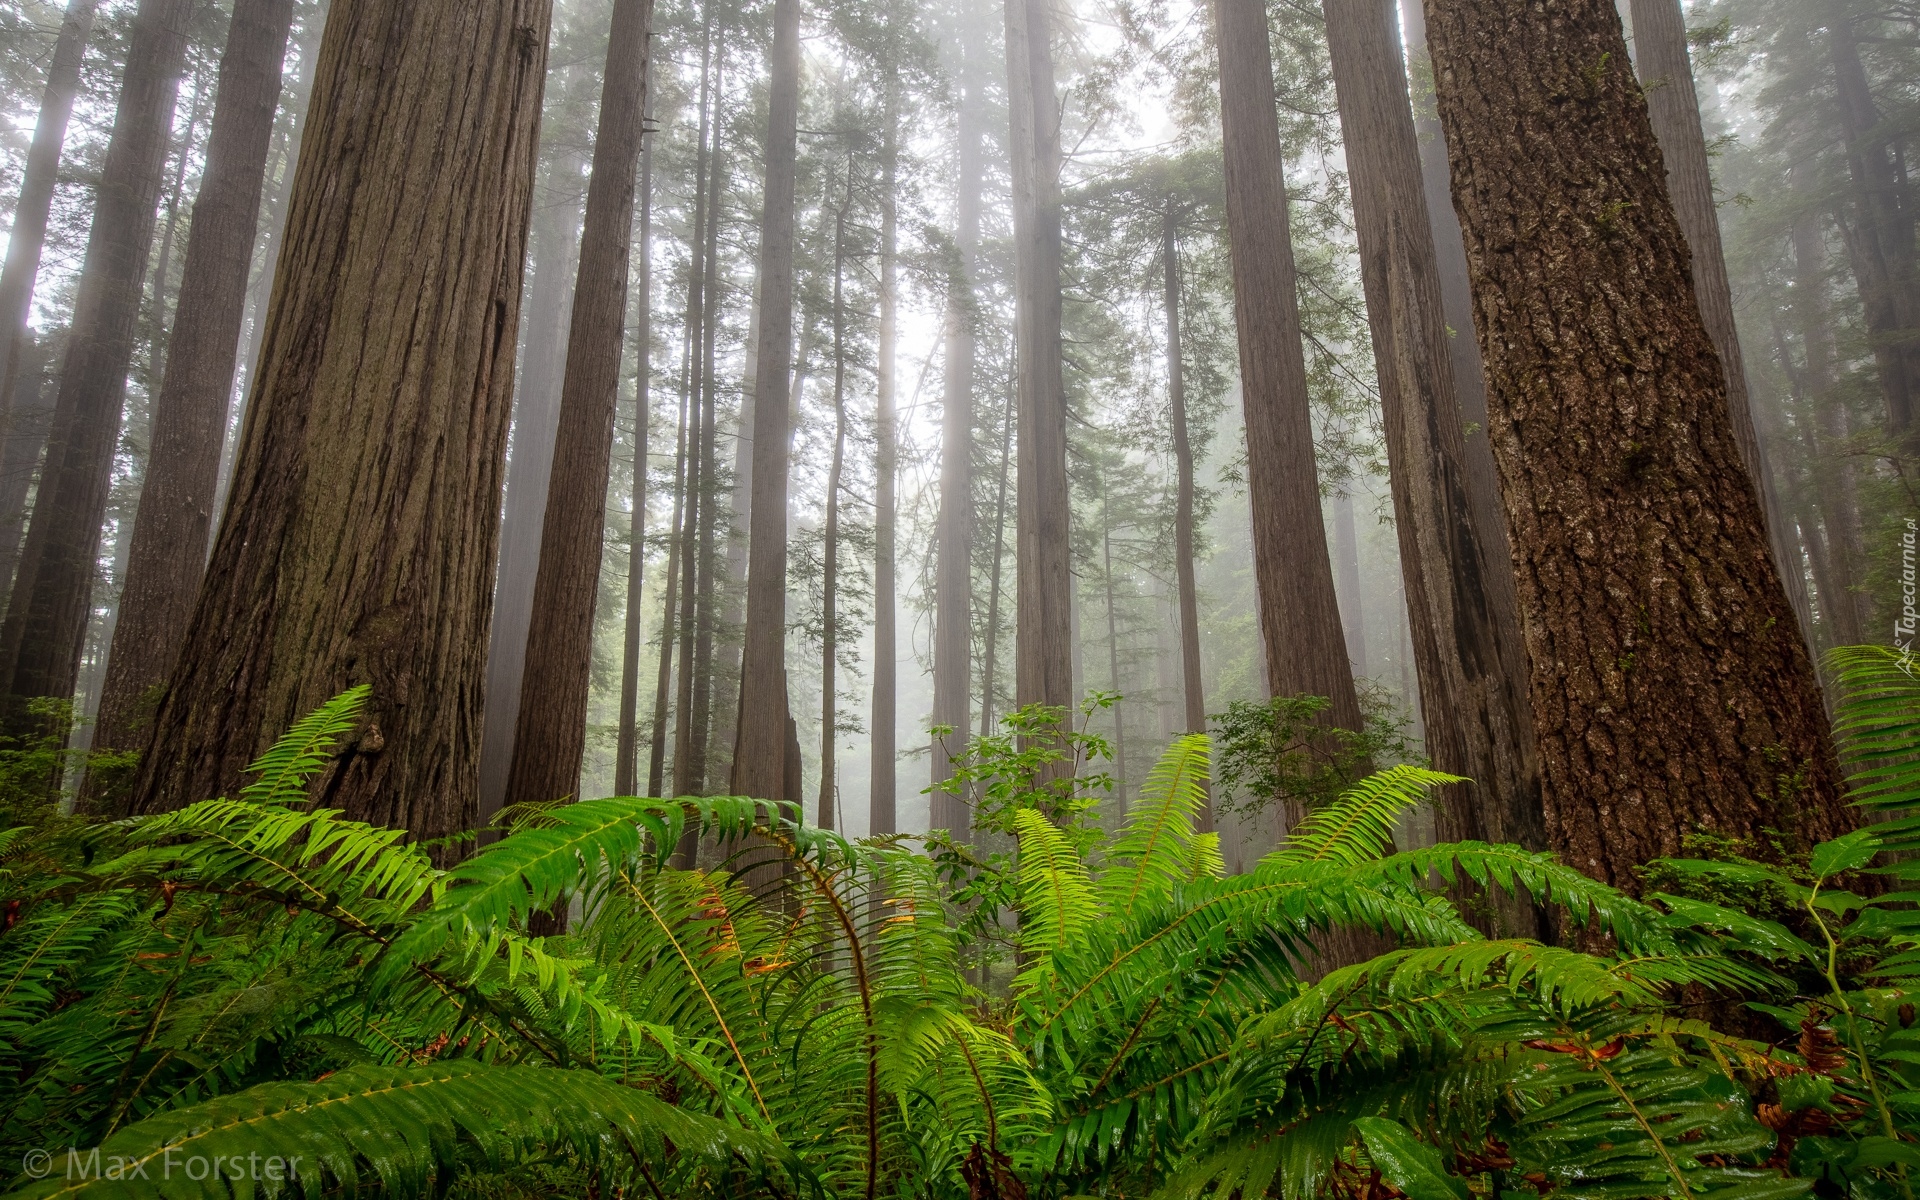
{"x": 1346, "y": 539}
{"x": 1666, "y": 74}
{"x": 1299, "y": 612}
{"x": 883, "y": 791}
{"x": 953, "y": 579}
{"x": 174, "y": 520}
{"x": 365, "y": 514}
{"x": 1880, "y": 241}
{"x": 1474, "y": 710}
{"x": 47, "y": 614}
{"x": 726, "y": 700}
{"x": 627, "y": 746}
{"x": 1113, "y": 657}
{"x": 830, "y": 529}
{"x": 760, "y": 766}
{"x": 28, "y": 236}
{"x": 1672, "y": 687}
{"x": 705, "y": 598}
{"x": 1043, "y": 658}
{"x": 1192, "y": 691}
{"x": 988, "y": 678}
{"x": 536, "y": 413}
{"x": 656, "y": 765}
{"x": 550, "y": 736}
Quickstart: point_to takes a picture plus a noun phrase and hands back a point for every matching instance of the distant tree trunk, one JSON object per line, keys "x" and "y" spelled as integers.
{"x": 1346, "y": 540}
{"x": 156, "y": 322}
{"x": 884, "y": 737}
{"x": 1192, "y": 690}
{"x": 627, "y": 746}
{"x": 365, "y": 512}
{"x": 830, "y": 527}
{"x": 1666, "y": 73}
{"x": 28, "y": 235}
{"x": 760, "y": 767}
{"x": 953, "y": 579}
{"x": 1671, "y": 686}
{"x": 550, "y": 736}
{"x": 47, "y": 613}
{"x": 174, "y": 519}
{"x": 1880, "y": 240}
{"x": 1299, "y": 612}
{"x": 536, "y": 412}
{"x": 1043, "y": 581}
{"x": 726, "y": 699}
{"x": 1113, "y": 657}
{"x": 26, "y": 439}
{"x": 988, "y": 678}
{"x": 663, "y": 684}
{"x": 706, "y": 597}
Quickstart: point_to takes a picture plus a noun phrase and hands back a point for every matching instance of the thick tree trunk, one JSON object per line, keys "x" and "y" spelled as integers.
{"x": 28, "y": 234}
{"x": 1193, "y": 692}
{"x": 47, "y": 613}
{"x": 760, "y": 767}
{"x": 1043, "y": 658}
{"x": 1666, "y": 74}
{"x": 365, "y": 512}
{"x": 884, "y": 738}
{"x": 1475, "y": 711}
{"x": 536, "y": 413}
{"x": 627, "y": 744}
{"x": 550, "y": 735}
{"x": 20, "y": 451}
{"x": 1299, "y": 612}
{"x": 173, "y": 524}
{"x": 1670, "y": 685}
{"x": 953, "y": 579}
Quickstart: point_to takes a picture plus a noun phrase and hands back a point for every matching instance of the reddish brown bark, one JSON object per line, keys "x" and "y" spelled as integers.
{"x": 365, "y": 505}
{"x": 1671, "y": 689}
{"x": 1192, "y": 692}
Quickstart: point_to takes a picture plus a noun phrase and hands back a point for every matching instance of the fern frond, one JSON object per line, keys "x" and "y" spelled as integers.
{"x": 1156, "y": 850}
{"x": 300, "y": 754}
{"x": 1877, "y": 724}
{"x": 1057, "y": 899}
{"x": 1358, "y": 827}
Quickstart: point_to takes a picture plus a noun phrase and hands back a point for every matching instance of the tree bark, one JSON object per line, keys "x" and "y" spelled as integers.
{"x": 663, "y": 683}
{"x": 28, "y": 236}
{"x": 173, "y": 523}
{"x": 1299, "y": 612}
{"x": 627, "y": 745}
{"x": 47, "y": 613}
{"x": 953, "y": 579}
{"x": 830, "y": 528}
{"x": 1043, "y": 659}
{"x": 550, "y": 734}
{"x": 883, "y": 787}
{"x": 760, "y": 767}
{"x": 365, "y": 512}
{"x": 1113, "y": 659}
{"x": 1346, "y": 541}
{"x": 1192, "y": 691}
{"x": 989, "y": 679}
{"x": 1671, "y": 688}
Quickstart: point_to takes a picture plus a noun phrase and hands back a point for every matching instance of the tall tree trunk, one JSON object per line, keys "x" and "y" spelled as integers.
{"x": 1346, "y": 541}
{"x": 726, "y": 698}
{"x": 1474, "y": 709}
{"x": 550, "y": 735}
{"x": 1299, "y": 612}
{"x": 883, "y": 787}
{"x": 627, "y": 744}
{"x": 1043, "y": 658}
{"x": 1880, "y": 242}
{"x": 1193, "y": 692}
{"x": 1113, "y": 657}
{"x": 48, "y": 610}
{"x": 706, "y": 597}
{"x": 28, "y": 236}
{"x": 676, "y": 528}
{"x": 156, "y": 330}
{"x": 1671, "y": 685}
{"x": 953, "y": 578}
{"x": 830, "y": 528}
{"x": 174, "y": 520}
{"x": 760, "y": 766}
{"x": 989, "y": 680}
{"x": 536, "y": 412}
{"x": 20, "y": 450}
{"x": 365, "y": 514}
{"x": 1666, "y": 74}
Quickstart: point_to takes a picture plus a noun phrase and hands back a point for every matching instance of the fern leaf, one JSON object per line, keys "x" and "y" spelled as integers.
{"x": 1155, "y": 851}
{"x": 1358, "y": 827}
{"x": 300, "y": 754}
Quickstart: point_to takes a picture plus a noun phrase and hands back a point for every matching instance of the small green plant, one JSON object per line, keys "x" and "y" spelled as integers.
{"x": 1282, "y": 751}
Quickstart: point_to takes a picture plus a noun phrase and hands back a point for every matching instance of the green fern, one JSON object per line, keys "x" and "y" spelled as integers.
{"x": 285, "y": 769}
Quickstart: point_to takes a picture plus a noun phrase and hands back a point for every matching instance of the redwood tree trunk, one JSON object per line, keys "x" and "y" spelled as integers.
{"x": 1670, "y": 685}
{"x": 46, "y": 622}
{"x": 830, "y": 530}
{"x": 760, "y": 767}
{"x": 1193, "y": 692}
{"x": 28, "y": 235}
{"x": 173, "y": 524}
{"x": 1299, "y": 613}
{"x": 885, "y": 764}
{"x": 365, "y": 506}
{"x": 1474, "y": 710}
{"x": 550, "y": 735}
{"x": 953, "y": 580}
{"x": 627, "y": 747}
{"x": 1043, "y": 658}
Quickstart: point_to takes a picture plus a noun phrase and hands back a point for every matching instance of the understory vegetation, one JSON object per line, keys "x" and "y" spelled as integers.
{"x": 251, "y": 978}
